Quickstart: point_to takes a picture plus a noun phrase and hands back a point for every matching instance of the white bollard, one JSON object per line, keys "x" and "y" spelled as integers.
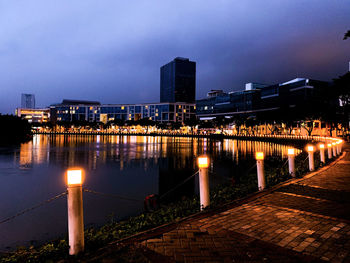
{"x": 259, "y": 156}
{"x": 322, "y": 155}
{"x": 75, "y": 211}
{"x": 338, "y": 147}
{"x": 291, "y": 161}
{"x": 329, "y": 149}
{"x": 310, "y": 150}
{"x": 204, "y": 195}
{"x": 334, "y": 149}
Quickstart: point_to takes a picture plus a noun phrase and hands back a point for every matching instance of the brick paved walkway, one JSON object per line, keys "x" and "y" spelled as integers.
{"x": 307, "y": 220}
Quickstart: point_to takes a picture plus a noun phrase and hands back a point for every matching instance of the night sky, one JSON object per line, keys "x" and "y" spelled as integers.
{"x": 111, "y": 51}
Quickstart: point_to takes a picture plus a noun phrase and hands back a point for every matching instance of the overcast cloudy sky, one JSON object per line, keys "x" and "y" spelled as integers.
{"x": 111, "y": 51}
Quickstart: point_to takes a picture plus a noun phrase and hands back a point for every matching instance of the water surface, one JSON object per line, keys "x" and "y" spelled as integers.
{"x": 130, "y": 166}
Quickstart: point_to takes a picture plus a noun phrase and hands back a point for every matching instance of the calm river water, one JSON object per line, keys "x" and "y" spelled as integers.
{"x": 130, "y": 166}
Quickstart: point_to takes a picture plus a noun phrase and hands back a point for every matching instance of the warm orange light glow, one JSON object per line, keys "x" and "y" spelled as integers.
{"x": 74, "y": 177}
{"x": 291, "y": 151}
{"x": 310, "y": 148}
{"x": 321, "y": 146}
{"x": 333, "y": 143}
{"x": 329, "y": 145}
{"x": 259, "y": 155}
{"x": 203, "y": 162}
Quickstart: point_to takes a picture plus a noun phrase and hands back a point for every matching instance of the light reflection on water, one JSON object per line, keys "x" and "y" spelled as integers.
{"x": 133, "y": 166}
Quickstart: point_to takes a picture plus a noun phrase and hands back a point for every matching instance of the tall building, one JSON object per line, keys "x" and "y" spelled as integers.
{"x": 28, "y": 101}
{"x": 178, "y": 81}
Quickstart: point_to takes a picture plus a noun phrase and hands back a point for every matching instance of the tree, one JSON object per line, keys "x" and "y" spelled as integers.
{"x": 14, "y": 130}
{"x": 346, "y": 35}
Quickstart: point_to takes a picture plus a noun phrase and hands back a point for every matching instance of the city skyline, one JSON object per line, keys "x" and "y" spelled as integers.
{"x": 113, "y": 52}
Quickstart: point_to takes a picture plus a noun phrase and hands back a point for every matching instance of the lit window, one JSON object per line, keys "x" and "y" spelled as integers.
{"x": 206, "y": 107}
{"x": 123, "y": 107}
{"x": 157, "y": 114}
{"x": 91, "y": 108}
{"x": 184, "y": 110}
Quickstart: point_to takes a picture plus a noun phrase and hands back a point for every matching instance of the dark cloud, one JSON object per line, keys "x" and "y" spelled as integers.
{"x": 112, "y": 50}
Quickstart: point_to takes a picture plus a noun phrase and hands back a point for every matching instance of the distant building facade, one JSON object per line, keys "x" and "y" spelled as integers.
{"x": 34, "y": 115}
{"x": 95, "y": 112}
{"x": 28, "y": 101}
{"x": 178, "y": 81}
{"x": 259, "y": 99}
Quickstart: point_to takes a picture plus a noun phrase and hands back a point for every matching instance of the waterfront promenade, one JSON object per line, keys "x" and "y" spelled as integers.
{"x": 303, "y": 220}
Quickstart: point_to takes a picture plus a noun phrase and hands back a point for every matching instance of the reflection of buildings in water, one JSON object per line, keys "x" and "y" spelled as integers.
{"x": 92, "y": 151}
{"x": 34, "y": 152}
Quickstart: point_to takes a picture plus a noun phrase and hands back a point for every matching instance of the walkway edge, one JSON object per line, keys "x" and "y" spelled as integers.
{"x": 159, "y": 230}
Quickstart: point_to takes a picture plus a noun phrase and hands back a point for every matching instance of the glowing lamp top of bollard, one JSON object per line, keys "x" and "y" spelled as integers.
{"x": 203, "y": 162}
{"x": 321, "y": 146}
{"x": 329, "y": 145}
{"x": 291, "y": 151}
{"x": 310, "y": 148}
{"x": 333, "y": 143}
{"x": 259, "y": 156}
{"x": 74, "y": 177}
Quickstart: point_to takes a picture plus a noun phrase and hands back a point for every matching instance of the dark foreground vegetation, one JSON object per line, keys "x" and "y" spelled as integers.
{"x": 95, "y": 238}
{"x": 14, "y": 130}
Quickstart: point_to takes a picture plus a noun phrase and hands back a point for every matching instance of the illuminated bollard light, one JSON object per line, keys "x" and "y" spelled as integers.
{"x": 259, "y": 156}
{"x": 75, "y": 211}
{"x": 310, "y": 150}
{"x": 291, "y": 161}
{"x": 334, "y": 149}
{"x": 322, "y": 155}
{"x": 329, "y": 148}
{"x": 203, "y": 164}
{"x": 341, "y": 145}
{"x": 338, "y": 147}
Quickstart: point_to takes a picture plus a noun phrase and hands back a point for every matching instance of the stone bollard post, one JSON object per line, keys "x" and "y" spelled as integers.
{"x": 259, "y": 156}
{"x": 322, "y": 154}
{"x": 75, "y": 212}
{"x": 334, "y": 149}
{"x": 204, "y": 194}
{"x": 329, "y": 149}
{"x": 291, "y": 161}
{"x": 310, "y": 150}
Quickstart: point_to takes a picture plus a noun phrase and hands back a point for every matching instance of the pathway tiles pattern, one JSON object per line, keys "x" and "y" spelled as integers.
{"x": 301, "y": 222}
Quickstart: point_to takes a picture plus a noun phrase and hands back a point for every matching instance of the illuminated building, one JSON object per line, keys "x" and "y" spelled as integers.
{"x": 161, "y": 112}
{"x": 178, "y": 81}
{"x": 294, "y": 96}
{"x": 34, "y": 115}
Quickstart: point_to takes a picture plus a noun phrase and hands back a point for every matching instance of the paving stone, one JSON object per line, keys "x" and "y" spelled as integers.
{"x": 303, "y": 221}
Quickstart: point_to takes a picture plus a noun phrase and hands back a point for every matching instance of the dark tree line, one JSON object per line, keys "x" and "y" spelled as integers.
{"x": 14, "y": 130}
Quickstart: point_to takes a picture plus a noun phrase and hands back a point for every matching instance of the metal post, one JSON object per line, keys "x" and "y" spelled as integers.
{"x": 260, "y": 170}
{"x": 204, "y": 194}
{"x": 75, "y": 212}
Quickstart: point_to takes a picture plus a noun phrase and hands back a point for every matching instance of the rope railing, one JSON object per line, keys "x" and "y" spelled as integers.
{"x": 112, "y": 195}
{"x": 177, "y": 186}
{"x": 33, "y": 207}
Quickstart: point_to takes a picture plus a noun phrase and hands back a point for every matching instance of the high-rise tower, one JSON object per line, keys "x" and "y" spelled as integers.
{"x": 178, "y": 81}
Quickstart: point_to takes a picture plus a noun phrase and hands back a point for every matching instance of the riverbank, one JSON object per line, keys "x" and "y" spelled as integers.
{"x": 96, "y": 238}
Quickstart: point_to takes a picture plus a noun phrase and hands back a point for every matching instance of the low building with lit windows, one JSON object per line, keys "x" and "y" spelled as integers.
{"x": 34, "y": 115}
{"x": 96, "y": 112}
